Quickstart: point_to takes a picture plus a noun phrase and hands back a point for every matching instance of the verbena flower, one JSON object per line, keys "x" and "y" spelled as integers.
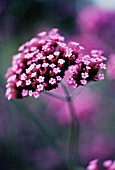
{"x": 41, "y": 64}
{"x": 107, "y": 165}
{"x": 86, "y": 69}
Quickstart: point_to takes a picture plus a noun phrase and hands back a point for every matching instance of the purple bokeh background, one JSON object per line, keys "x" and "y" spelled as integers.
{"x": 28, "y": 127}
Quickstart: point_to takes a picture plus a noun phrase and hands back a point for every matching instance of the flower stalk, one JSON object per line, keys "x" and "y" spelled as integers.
{"x": 73, "y": 148}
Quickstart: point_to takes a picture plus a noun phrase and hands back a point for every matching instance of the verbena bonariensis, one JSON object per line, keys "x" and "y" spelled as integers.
{"x": 41, "y": 64}
{"x": 106, "y": 165}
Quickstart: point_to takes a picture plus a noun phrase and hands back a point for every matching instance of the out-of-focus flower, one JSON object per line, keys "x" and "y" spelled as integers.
{"x": 89, "y": 18}
{"x": 107, "y": 165}
{"x": 89, "y": 149}
{"x": 111, "y": 67}
{"x": 93, "y": 165}
{"x": 101, "y": 23}
{"x": 94, "y": 19}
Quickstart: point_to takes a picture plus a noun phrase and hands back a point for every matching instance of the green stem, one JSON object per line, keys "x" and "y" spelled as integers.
{"x": 55, "y": 95}
{"x": 74, "y": 133}
{"x": 66, "y": 97}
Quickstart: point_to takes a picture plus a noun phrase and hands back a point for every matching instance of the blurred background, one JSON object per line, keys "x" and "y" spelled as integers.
{"x": 34, "y": 133}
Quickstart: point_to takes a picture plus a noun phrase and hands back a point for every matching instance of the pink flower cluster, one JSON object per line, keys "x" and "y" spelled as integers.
{"x": 107, "y": 165}
{"x": 41, "y": 64}
{"x": 87, "y": 68}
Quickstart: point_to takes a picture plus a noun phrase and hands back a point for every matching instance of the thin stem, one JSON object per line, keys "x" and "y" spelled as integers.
{"x": 66, "y": 97}
{"x": 74, "y": 133}
{"x": 55, "y": 95}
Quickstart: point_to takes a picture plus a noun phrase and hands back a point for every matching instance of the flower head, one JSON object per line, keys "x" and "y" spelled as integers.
{"x": 41, "y": 64}
{"x": 31, "y": 68}
{"x": 107, "y": 165}
{"x": 87, "y": 68}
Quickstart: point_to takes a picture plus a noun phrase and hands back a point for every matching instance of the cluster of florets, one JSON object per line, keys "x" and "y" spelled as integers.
{"x": 107, "y": 165}
{"x": 41, "y": 64}
{"x": 86, "y": 69}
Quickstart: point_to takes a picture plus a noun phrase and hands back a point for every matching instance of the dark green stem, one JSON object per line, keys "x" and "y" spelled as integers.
{"x": 73, "y": 149}
{"x": 55, "y": 95}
